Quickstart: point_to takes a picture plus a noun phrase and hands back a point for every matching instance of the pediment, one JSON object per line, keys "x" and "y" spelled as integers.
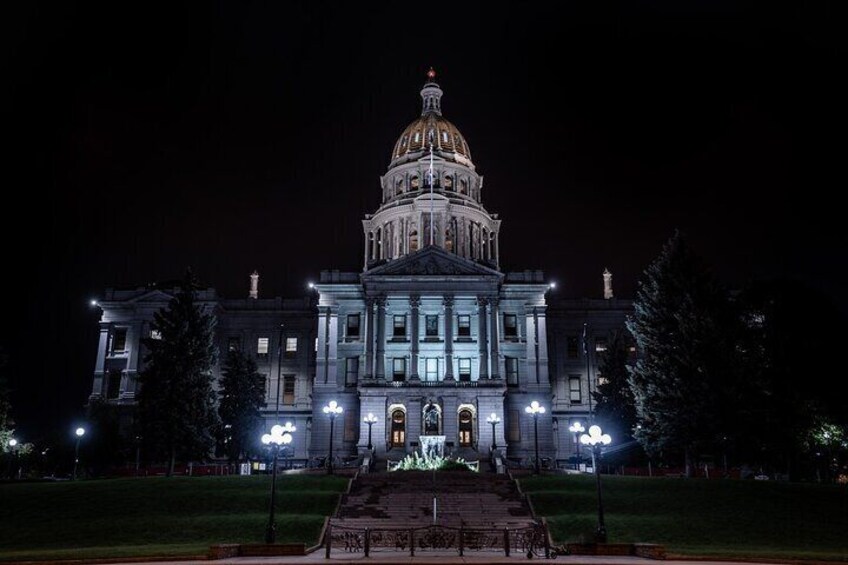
{"x": 432, "y": 260}
{"x": 152, "y": 296}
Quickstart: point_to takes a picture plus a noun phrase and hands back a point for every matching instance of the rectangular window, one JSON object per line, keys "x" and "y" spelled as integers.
{"x": 113, "y": 385}
{"x": 351, "y": 424}
{"x": 510, "y": 325}
{"x": 514, "y": 426}
{"x": 399, "y": 326}
{"x": 352, "y": 325}
{"x": 431, "y": 326}
{"x": 463, "y": 326}
{"x": 399, "y": 370}
{"x": 351, "y": 371}
{"x": 574, "y": 393}
{"x": 119, "y": 340}
{"x": 233, "y": 343}
{"x": 464, "y": 369}
{"x": 572, "y": 347}
{"x": 262, "y": 347}
{"x": 511, "y": 365}
{"x": 288, "y": 390}
{"x": 600, "y": 344}
{"x": 431, "y": 369}
{"x": 291, "y": 347}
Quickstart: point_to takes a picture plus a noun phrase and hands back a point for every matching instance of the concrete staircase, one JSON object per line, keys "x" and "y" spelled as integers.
{"x": 404, "y": 499}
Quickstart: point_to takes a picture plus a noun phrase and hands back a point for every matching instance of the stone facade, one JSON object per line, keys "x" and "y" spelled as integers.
{"x": 431, "y": 338}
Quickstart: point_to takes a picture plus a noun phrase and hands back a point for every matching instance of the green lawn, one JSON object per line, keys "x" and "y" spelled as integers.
{"x": 157, "y": 516}
{"x": 699, "y": 517}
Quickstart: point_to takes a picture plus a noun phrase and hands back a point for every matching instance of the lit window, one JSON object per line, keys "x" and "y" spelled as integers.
{"x": 262, "y": 347}
{"x": 288, "y": 390}
{"x": 463, "y": 327}
{"x": 351, "y": 370}
{"x": 600, "y": 344}
{"x": 399, "y": 326}
{"x": 511, "y": 364}
{"x": 119, "y": 340}
{"x": 444, "y": 136}
{"x": 316, "y": 345}
{"x": 464, "y": 369}
{"x": 510, "y": 325}
{"x": 291, "y": 347}
{"x": 572, "y": 347}
{"x": 399, "y": 369}
{"x": 431, "y": 324}
{"x": 155, "y": 334}
{"x": 574, "y": 390}
{"x": 417, "y": 136}
{"x": 431, "y": 369}
{"x": 353, "y": 325}
{"x": 466, "y": 428}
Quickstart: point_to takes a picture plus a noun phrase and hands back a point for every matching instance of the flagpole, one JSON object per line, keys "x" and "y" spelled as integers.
{"x": 432, "y": 225}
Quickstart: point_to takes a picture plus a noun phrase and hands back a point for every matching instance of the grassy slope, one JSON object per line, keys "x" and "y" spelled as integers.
{"x": 740, "y": 518}
{"x": 155, "y": 516}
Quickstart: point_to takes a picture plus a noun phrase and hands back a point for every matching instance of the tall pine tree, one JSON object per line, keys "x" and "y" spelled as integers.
{"x": 682, "y": 372}
{"x": 615, "y": 405}
{"x": 242, "y": 395}
{"x": 176, "y": 404}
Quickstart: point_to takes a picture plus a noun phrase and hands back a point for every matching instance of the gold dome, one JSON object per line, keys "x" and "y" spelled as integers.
{"x": 447, "y": 141}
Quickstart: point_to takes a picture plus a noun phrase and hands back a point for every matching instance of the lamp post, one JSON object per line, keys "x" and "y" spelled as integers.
{"x": 577, "y": 428}
{"x": 13, "y": 447}
{"x": 534, "y": 410}
{"x": 595, "y": 438}
{"x": 494, "y": 421}
{"x": 79, "y": 433}
{"x": 332, "y": 410}
{"x": 279, "y": 436}
{"x": 370, "y": 419}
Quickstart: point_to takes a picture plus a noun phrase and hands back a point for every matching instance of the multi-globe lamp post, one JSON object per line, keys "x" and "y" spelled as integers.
{"x": 370, "y": 419}
{"x": 79, "y": 432}
{"x": 577, "y": 428}
{"x": 332, "y": 409}
{"x": 280, "y": 436}
{"x": 596, "y": 439}
{"x": 535, "y": 409}
{"x": 494, "y": 421}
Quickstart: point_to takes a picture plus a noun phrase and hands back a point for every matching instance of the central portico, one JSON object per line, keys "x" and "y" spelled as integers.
{"x": 431, "y": 338}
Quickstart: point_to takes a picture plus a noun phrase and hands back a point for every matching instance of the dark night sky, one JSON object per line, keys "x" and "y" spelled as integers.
{"x": 241, "y": 136}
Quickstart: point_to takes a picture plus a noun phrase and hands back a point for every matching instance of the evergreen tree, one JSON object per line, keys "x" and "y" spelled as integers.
{"x": 242, "y": 395}
{"x": 5, "y": 404}
{"x": 682, "y": 373}
{"x": 176, "y": 403}
{"x": 615, "y": 404}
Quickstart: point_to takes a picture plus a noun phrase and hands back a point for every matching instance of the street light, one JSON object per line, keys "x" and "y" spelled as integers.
{"x": 79, "y": 433}
{"x": 494, "y": 421}
{"x": 534, "y": 410}
{"x": 13, "y": 444}
{"x": 332, "y": 409}
{"x": 577, "y": 428}
{"x": 370, "y": 419}
{"x": 596, "y": 439}
{"x": 279, "y": 436}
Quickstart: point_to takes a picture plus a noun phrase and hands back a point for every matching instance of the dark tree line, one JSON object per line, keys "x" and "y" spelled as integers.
{"x": 721, "y": 373}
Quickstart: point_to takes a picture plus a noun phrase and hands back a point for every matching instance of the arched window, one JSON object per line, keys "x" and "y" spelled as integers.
{"x": 371, "y": 245}
{"x": 398, "y": 428}
{"x": 448, "y": 182}
{"x": 403, "y": 140}
{"x": 466, "y": 428}
{"x": 414, "y": 183}
{"x": 413, "y": 241}
{"x": 463, "y": 186}
{"x": 449, "y": 240}
{"x": 399, "y": 186}
{"x": 417, "y": 138}
{"x": 444, "y": 136}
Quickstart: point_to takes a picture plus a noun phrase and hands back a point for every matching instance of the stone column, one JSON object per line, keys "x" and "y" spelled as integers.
{"x": 365, "y": 254}
{"x": 448, "y": 309}
{"x": 497, "y": 251}
{"x": 496, "y": 336}
{"x": 482, "y": 337}
{"x": 532, "y": 375}
{"x": 542, "y": 340}
{"x": 414, "y": 303}
{"x": 380, "y": 372}
{"x": 369, "y": 338}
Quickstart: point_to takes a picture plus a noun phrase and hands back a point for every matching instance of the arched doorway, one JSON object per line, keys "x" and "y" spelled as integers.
{"x": 466, "y": 428}
{"x": 432, "y": 420}
{"x": 398, "y": 428}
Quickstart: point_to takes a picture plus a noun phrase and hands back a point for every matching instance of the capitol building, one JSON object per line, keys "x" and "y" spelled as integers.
{"x": 431, "y": 337}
